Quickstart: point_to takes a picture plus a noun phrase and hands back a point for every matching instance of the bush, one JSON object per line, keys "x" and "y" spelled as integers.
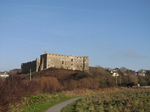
{"x": 13, "y": 89}
{"x": 48, "y": 84}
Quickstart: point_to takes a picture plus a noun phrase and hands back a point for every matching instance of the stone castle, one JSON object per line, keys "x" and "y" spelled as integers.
{"x": 49, "y": 60}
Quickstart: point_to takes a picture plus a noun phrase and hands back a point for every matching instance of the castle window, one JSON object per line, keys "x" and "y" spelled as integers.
{"x": 62, "y": 62}
{"x": 71, "y": 59}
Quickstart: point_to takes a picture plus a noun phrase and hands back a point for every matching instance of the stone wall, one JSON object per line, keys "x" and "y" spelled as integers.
{"x": 33, "y": 65}
{"x": 48, "y": 60}
{"x": 64, "y": 61}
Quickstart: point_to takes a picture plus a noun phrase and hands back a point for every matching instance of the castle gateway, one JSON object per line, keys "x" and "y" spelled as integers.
{"x": 49, "y": 60}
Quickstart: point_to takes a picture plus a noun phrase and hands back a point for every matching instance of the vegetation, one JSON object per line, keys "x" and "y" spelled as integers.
{"x": 123, "y": 101}
{"x": 17, "y": 88}
{"x": 39, "y": 103}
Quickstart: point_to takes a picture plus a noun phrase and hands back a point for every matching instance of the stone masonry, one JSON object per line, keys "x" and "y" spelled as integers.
{"x": 33, "y": 65}
{"x": 49, "y": 60}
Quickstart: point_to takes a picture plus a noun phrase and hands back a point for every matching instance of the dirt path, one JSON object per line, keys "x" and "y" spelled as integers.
{"x": 58, "y": 107}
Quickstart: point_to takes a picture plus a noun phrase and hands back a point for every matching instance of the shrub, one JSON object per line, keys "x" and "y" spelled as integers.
{"x": 48, "y": 84}
{"x": 13, "y": 89}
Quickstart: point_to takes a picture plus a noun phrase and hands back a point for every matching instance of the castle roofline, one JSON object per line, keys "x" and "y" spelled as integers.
{"x": 62, "y": 55}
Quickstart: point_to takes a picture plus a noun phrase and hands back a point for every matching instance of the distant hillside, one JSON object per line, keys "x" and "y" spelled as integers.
{"x": 60, "y": 74}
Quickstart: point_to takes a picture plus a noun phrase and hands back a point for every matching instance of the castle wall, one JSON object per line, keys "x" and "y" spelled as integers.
{"x": 60, "y": 61}
{"x": 64, "y": 61}
{"x": 33, "y": 65}
{"x": 86, "y": 64}
{"x": 43, "y": 62}
{"x": 56, "y": 61}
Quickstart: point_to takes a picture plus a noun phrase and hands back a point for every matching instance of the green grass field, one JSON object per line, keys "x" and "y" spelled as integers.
{"x": 39, "y": 103}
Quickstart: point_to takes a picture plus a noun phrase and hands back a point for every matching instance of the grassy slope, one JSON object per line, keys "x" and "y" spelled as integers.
{"x": 55, "y": 72}
{"x": 39, "y": 103}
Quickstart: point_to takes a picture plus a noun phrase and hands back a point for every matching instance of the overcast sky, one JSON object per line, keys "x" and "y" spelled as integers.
{"x": 113, "y": 33}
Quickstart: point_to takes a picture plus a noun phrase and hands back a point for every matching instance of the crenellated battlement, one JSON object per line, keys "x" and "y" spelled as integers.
{"x": 28, "y": 62}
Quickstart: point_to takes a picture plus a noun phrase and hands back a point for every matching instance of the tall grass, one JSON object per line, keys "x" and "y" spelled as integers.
{"x": 130, "y": 100}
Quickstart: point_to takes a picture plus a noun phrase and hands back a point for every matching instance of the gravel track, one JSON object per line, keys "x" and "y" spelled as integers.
{"x": 58, "y": 107}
